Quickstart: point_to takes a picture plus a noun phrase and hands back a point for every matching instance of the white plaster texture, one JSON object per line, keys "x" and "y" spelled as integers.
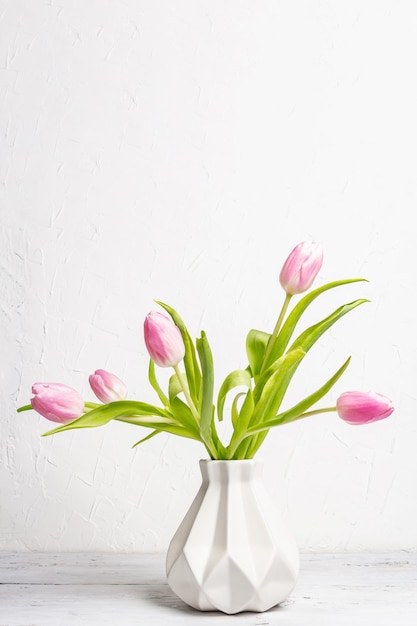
{"x": 177, "y": 150}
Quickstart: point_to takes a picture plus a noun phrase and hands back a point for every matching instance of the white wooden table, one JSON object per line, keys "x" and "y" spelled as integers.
{"x": 39, "y": 589}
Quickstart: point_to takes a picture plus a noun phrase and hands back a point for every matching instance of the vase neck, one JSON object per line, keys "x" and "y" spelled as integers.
{"x": 231, "y": 471}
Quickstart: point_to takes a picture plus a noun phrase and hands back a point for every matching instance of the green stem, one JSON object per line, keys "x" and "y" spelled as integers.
{"x": 91, "y": 405}
{"x": 27, "y": 407}
{"x": 275, "y": 332}
{"x": 254, "y": 439}
{"x": 187, "y": 395}
{"x": 209, "y": 445}
{"x": 233, "y": 451}
{"x": 288, "y": 420}
{"x": 329, "y": 409}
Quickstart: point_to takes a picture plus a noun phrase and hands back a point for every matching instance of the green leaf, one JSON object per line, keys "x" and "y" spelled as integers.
{"x": 152, "y": 434}
{"x": 27, "y": 407}
{"x": 192, "y": 369}
{"x": 241, "y": 425}
{"x": 122, "y": 408}
{"x": 274, "y": 389}
{"x": 293, "y": 318}
{"x": 274, "y": 382}
{"x": 174, "y": 388}
{"x": 297, "y": 410}
{"x": 309, "y": 337}
{"x": 234, "y": 409}
{"x": 171, "y": 428}
{"x": 256, "y": 342}
{"x": 155, "y": 385}
{"x": 237, "y": 378}
{"x": 246, "y": 412}
{"x": 183, "y": 415}
{"x": 304, "y": 342}
{"x": 206, "y": 413}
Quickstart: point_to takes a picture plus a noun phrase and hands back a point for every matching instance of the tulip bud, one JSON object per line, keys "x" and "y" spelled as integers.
{"x": 163, "y": 340}
{"x": 301, "y": 267}
{"x": 107, "y": 386}
{"x": 356, "y": 407}
{"x": 57, "y": 402}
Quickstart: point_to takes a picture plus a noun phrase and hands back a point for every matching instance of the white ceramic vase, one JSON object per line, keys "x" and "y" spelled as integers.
{"x": 232, "y": 552}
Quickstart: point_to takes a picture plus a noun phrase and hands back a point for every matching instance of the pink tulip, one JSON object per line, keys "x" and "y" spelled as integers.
{"x": 163, "y": 340}
{"x": 301, "y": 267}
{"x": 356, "y": 407}
{"x": 57, "y": 402}
{"x": 107, "y": 386}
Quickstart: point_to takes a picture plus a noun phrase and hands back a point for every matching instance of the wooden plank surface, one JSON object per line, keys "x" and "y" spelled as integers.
{"x": 40, "y": 589}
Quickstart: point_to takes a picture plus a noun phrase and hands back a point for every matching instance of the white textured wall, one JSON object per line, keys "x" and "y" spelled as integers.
{"x": 177, "y": 150}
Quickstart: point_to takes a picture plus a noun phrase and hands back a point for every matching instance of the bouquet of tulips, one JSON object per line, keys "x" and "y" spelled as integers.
{"x": 188, "y": 408}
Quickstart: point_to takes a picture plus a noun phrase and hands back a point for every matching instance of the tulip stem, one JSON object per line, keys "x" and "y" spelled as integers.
{"x": 329, "y": 409}
{"x": 187, "y": 395}
{"x": 91, "y": 405}
{"x": 275, "y": 332}
{"x": 27, "y": 407}
{"x": 231, "y": 450}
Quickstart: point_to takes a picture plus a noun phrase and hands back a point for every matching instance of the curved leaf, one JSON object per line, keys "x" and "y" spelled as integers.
{"x": 245, "y": 416}
{"x": 274, "y": 389}
{"x": 309, "y": 337}
{"x": 122, "y": 408}
{"x": 174, "y": 388}
{"x": 237, "y": 378}
{"x": 297, "y": 410}
{"x": 154, "y": 383}
{"x": 293, "y": 318}
{"x": 171, "y": 428}
{"x": 183, "y": 415}
{"x": 256, "y": 342}
{"x": 234, "y": 410}
{"x": 152, "y": 434}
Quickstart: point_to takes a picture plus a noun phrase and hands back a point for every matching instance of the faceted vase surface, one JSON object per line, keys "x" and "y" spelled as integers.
{"x": 232, "y": 552}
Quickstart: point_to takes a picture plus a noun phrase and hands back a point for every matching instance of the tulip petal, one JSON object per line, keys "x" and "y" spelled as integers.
{"x": 57, "y": 402}
{"x": 107, "y": 387}
{"x": 301, "y": 267}
{"x": 357, "y": 407}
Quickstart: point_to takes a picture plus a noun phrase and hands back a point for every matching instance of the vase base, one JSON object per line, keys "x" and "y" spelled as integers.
{"x": 228, "y": 589}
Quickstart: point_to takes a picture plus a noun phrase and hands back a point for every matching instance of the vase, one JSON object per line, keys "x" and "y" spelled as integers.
{"x": 232, "y": 552}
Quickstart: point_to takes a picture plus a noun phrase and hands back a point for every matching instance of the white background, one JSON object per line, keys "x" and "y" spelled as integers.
{"x": 178, "y": 150}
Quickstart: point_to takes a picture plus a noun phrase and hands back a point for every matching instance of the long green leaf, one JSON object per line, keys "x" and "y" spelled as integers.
{"x": 237, "y": 378}
{"x": 183, "y": 415}
{"x": 150, "y": 436}
{"x": 275, "y": 387}
{"x": 293, "y": 318}
{"x": 298, "y": 409}
{"x": 206, "y": 414}
{"x": 122, "y": 408}
{"x": 305, "y": 341}
{"x": 309, "y": 337}
{"x": 171, "y": 428}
